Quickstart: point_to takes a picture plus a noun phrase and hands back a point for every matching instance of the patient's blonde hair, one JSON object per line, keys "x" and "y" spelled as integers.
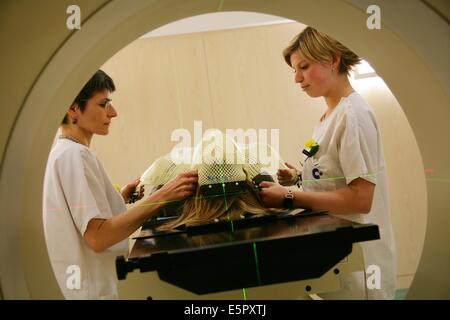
{"x": 321, "y": 48}
{"x": 200, "y": 209}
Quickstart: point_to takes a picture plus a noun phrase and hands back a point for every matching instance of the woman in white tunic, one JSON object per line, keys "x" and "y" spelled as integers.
{"x": 85, "y": 218}
{"x": 344, "y": 170}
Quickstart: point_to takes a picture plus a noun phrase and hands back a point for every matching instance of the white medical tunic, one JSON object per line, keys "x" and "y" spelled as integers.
{"x": 76, "y": 190}
{"x": 350, "y": 147}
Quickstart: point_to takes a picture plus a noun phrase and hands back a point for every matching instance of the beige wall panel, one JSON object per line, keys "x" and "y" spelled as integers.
{"x": 146, "y": 102}
{"x": 252, "y": 86}
{"x": 188, "y": 66}
{"x": 158, "y": 91}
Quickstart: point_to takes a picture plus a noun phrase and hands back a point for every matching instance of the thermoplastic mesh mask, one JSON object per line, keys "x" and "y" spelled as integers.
{"x": 223, "y": 166}
{"x": 161, "y": 171}
{"x": 262, "y": 158}
{"x": 218, "y": 160}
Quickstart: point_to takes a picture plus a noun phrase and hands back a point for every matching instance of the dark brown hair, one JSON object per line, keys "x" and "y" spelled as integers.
{"x": 100, "y": 81}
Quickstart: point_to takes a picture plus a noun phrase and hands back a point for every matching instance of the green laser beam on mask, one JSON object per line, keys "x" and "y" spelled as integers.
{"x": 222, "y": 176}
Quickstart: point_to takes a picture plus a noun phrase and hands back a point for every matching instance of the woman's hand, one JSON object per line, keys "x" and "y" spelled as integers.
{"x": 272, "y": 194}
{"x": 180, "y": 187}
{"x": 287, "y": 177}
{"x": 130, "y": 188}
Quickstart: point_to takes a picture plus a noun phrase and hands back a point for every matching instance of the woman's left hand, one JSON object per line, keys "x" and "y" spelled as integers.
{"x": 130, "y": 188}
{"x": 272, "y": 194}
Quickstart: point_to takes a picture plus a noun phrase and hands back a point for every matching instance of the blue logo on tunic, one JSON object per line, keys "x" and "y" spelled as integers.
{"x": 316, "y": 173}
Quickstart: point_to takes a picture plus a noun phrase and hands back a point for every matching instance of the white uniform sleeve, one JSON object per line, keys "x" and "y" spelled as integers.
{"x": 358, "y": 148}
{"x": 83, "y": 188}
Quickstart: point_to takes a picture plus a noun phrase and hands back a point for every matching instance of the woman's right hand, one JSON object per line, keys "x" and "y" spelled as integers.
{"x": 180, "y": 187}
{"x": 287, "y": 177}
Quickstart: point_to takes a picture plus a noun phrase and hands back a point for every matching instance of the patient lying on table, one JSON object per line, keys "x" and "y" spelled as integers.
{"x": 228, "y": 180}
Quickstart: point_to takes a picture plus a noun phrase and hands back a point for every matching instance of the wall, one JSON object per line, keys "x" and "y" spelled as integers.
{"x": 238, "y": 79}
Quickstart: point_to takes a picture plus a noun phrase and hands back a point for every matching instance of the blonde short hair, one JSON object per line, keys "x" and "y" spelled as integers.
{"x": 199, "y": 209}
{"x": 319, "y": 47}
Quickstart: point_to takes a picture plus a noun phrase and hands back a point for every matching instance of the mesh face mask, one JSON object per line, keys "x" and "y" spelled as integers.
{"x": 223, "y": 166}
{"x": 161, "y": 171}
{"x": 261, "y": 161}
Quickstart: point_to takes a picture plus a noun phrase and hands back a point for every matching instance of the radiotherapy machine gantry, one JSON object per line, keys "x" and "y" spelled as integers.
{"x": 38, "y": 86}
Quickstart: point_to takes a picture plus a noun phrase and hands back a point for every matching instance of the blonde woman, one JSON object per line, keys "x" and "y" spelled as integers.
{"x": 344, "y": 170}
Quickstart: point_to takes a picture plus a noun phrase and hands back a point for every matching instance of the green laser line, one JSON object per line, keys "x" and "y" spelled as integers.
{"x": 244, "y": 293}
{"x": 223, "y": 185}
{"x": 256, "y": 263}
{"x": 177, "y": 90}
{"x": 438, "y": 180}
{"x": 339, "y": 178}
{"x": 222, "y": 175}
{"x": 231, "y": 223}
{"x": 220, "y": 5}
